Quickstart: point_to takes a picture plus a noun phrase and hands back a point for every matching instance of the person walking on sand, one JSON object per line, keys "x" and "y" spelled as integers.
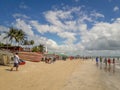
{"x": 16, "y": 62}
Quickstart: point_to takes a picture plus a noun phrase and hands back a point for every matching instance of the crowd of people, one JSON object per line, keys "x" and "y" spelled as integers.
{"x": 49, "y": 60}
{"x": 108, "y": 62}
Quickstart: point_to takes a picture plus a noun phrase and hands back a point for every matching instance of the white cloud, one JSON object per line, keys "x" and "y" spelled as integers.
{"x": 18, "y": 15}
{"x": 21, "y": 24}
{"x": 66, "y": 26}
{"x": 95, "y": 14}
{"x": 103, "y": 36}
{"x": 116, "y": 8}
{"x": 39, "y": 27}
{"x": 69, "y": 24}
{"x": 67, "y": 35}
{"x": 58, "y": 17}
{"x": 2, "y": 30}
{"x": 52, "y": 44}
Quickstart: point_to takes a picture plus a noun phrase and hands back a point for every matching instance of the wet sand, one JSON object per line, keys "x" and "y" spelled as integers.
{"x": 61, "y": 75}
{"x": 88, "y": 76}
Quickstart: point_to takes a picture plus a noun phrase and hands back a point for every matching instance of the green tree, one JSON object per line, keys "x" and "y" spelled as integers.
{"x": 26, "y": 43}
{"x": 32, "y": 42}
{"x": 20, "y": 37}
{"x": 15, "y": 34}
{"x": 11, "y": 34}
{"x": 1, "y": 44}
{"x": 41, "y": 48}
{"x": 35, "y": 49}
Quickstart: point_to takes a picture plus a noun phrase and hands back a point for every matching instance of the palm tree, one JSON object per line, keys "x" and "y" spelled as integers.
{"x": 11, "y": 34}
{"x": 15, "y": 34}
{"x": 41, "y": 48}
{"x": 26, "y": 42}
{"x": 20, "y": 37}
{"x": 32, "y": 42}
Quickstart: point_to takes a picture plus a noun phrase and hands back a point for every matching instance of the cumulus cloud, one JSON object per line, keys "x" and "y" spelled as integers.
{"x": 116, "y": 8}
{"x": 69, "y": 35}
{"x": 21, "y": 24}
{"x": 69, "y": 20}
{"x": 71, "y": 25}
{"x": 53, "y": 45}
{"x": 102, "y": 36}
{"x": 39, "y": 27}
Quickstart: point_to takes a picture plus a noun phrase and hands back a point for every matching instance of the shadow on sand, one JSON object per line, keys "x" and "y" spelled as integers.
{"x": 8, "y": 69}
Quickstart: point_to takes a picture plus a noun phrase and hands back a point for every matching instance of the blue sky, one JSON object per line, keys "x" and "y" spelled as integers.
{"x": 85, "y": 27}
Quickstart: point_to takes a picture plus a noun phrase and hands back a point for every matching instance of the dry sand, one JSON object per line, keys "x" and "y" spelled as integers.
{"x": 61, "y": 75}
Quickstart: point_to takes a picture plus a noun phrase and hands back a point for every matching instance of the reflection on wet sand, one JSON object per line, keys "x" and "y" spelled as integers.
{"x": 107, "y": 64}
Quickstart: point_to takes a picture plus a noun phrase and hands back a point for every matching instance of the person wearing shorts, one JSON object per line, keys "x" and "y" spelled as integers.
{"x": 16, "y": 62}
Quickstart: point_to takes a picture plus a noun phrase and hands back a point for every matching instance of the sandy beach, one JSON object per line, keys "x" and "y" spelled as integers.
{"x": 61, "y": 75}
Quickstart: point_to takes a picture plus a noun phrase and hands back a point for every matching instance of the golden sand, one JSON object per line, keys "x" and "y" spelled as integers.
{"x": 37, "y": 76}
{"x": 61, "y": 75}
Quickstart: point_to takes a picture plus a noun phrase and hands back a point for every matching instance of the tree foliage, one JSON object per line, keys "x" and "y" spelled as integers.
{"x": 15, "y": 34}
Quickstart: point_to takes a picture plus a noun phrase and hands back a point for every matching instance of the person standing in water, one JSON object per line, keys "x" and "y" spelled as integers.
{"x": 109, "y": 63}
{"x": 105, "y": 61}
{"x": 113, "y": 65}
{"x": 100, "y": 62}
{"x": 97, "y": 61}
